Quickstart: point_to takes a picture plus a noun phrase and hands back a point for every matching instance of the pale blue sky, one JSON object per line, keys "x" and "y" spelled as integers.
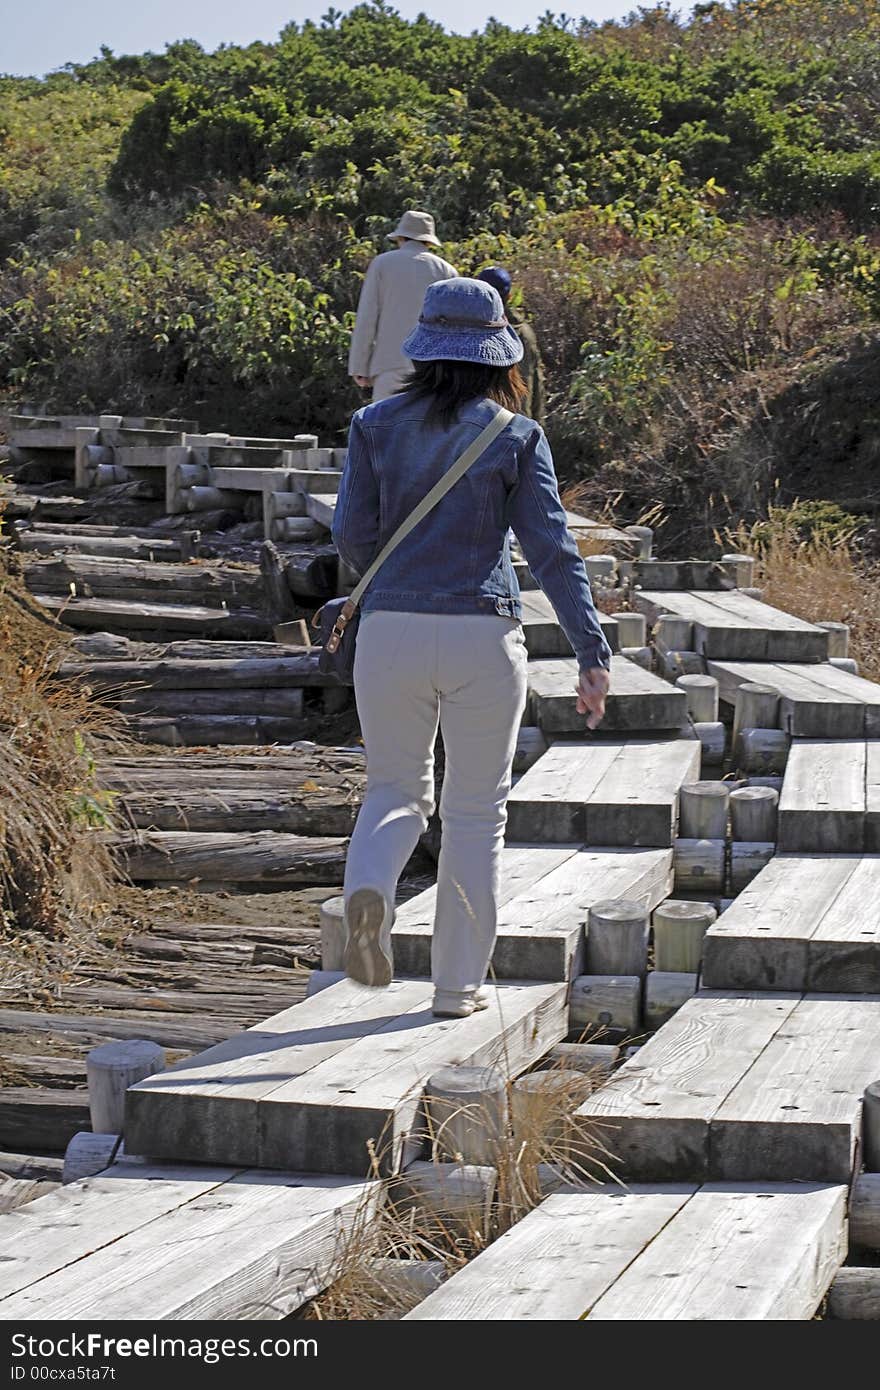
{"x": 39, "y": 35}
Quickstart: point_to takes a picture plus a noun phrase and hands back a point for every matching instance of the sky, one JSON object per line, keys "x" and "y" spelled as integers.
{"x": 37, "y": 36}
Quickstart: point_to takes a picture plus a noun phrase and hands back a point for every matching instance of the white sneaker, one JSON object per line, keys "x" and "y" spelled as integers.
{"x": 367, "y": 956}
{"x": 457, "y": 1005}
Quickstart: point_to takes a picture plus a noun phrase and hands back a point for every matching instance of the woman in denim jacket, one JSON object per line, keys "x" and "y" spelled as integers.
{"x": 440, "y": 639}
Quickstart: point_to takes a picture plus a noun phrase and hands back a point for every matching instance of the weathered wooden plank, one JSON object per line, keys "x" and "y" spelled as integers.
{"x": 142, "y": 547}
{"x": 623, "y": 792}
{"x": 171, "y": 1030}
{"x": 823, "y": 803}
{"x": 732, "y": 626}
{"x": 544, "y": 636}
{"x": 343, "y": 1071}
{"x": 176, "y": 673}
{"x": 795, "y": 1114}
{"x": 190, "y": 1243}
{"x": 872, "y": 796}
{"x": 34, "y": 1117}
{"x": 656, "y": 1110}
{"x": 546, "y": 893}
{"x": 809, "y": 707}
{"x": 115, "y": 614}
{"x": 182, "y": 730}
{"x": 843, "y": 952}
{"x": 638, "y": 700}
{"x": 321, "y": 507}
{"x": 264, "y": 856}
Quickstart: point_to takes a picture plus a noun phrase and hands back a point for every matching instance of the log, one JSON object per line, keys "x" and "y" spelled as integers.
{"x": 844, "y": 663}
{"x": 111, "y": 1069}
{"x": 598, "y": 1003}
{"x": 333, "y": 933}
{"x": 446, "y": 1197}
{"x": 41, "y": 1118}
{"x": 855, "y": 1295}
{"x": 676, "y": 664}
{"x": 864, "y": 1212}
{"x": 190, "y": 731}
{"x": 31, "y": 1167}
{"x": 679, "y": 929}
{"x": 665, "y": 992}
{"x": 756, "y": 707}
{"x": 644, "y": 538}
{"x": 88, "y": 1154}
{"x": 299, "y": 528}
{"x": 871, "y": 1127}
{"x": 747, "y": 859}
{"x": 260, "y": 857}
{"x": 673, "y": 634}
{"x": 204, "y": 499}
{"x": 702, "y": 811}
{"x": 753, "y": 813}
{"x": 110, "y": 575}
{"x": 600, "y": 568}
{"x": 466, "y": 1112}
{"x": 597, "y": 1060}
{"x": 311, "y": 572}
{"x": 640, "y": 655}
{"x": 741, "y": 569}
{"x": 763, "y": 750}
{"x": 701, "y": 693}
{"x": 631, "y": 629}
{"x": 698, "y": 865}
{"x": 617, "y": 938}
{"x": 712, "y": 739}
{"x": 838, "y": 638}
{"x": 274, "y": 703}
{"x": 541, "y": 1106}
{"x": 180, "y": 673}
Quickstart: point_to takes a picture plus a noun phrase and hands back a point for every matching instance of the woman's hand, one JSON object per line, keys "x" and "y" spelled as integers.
{"x": 364, "y": 382}
{"x": 592, "y": 688}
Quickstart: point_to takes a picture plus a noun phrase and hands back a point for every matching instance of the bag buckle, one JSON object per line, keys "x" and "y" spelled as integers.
{"x": 337, "y": 632}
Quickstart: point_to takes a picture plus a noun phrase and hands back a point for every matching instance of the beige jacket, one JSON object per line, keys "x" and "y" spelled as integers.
{"x": 391, "y": 301}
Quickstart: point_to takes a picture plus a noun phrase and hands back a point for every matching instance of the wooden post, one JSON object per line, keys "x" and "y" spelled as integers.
{"x": 838, "y": 638}
{"x": 679, "y": 929}
{"x": 541, "y": 1106}
{"x": 855, "y": 1295}
{"x": 332, "y": 933}
{"x": 871, "y": 1127}
{"x": 756, "y": 707}
{"x": 644, "y": 537}
{"x": 446, "y": 1196}
{"x": 408, "y": 1280}
{"x": 598, "y": 1003}
{"x": 640, "y": 655}
{"x": 844, "y": 663}
{"x": 753, "y": 813}
{"x": 763, "y": 750}
{"x": 864, "y": 1212}
{"x": 596, "y": 1059}
{"x": 294, "y": 633}
{"x": 631, "y": 629}
{"x": 673, "y": 634}
{"x": 600, "y": 569}
{"x": 466, "y": 1110}
{"x": 204, "y": 499}
{"x": 761, "y": 781}
{"x": 617, "y": 938}
{"x": 665, "y": 992}
{"x": 713, "y": 740}
{"x": 747, "y": 859}
{"x": 701, "y": 693}
{"x": 111, "y": 1069}
{"x": 702, "y": 811}
{"x": 176, "y": 456}
{"x": 741, "y": 569}
{"x": 88, "y": 1154}
{"x": 678, "y": 663}
{"x": 698, "y": 865}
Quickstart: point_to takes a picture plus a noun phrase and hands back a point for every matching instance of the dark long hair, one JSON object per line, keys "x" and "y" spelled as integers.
{"x": 450, "y": 384}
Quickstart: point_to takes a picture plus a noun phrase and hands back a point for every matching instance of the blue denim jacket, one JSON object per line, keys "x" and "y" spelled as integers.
{"x": 457, "y": 560}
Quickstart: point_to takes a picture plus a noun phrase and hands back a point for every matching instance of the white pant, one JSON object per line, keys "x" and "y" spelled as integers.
{"x": 389, "y": 383}
{"x": 411, "y": 671}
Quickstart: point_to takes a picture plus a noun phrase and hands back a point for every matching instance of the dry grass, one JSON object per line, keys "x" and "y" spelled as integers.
{"x": 55, "y": 876}
{"x": 821, "y": 578}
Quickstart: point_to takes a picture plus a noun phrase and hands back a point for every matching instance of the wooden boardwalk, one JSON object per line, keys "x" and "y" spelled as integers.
{"x": 662, "y": 1253}
{"x": 638, "y": 700}
{"x": 732, "y": 626}
{"x": 816, "y": 700}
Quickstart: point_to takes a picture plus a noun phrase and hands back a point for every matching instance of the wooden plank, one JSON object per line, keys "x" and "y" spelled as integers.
{"x": 731, "y": 626}
{"x": 300, "y": 669}
{"x": 843, "y": 952}
{"x": 654, "y": 1114}
{"x": 763, "y": 939}
{"x": 33, "y": 1117}
{"x": 113, "y": 614}
{"x": 342, "y": 1073}
{"x": 872, "y": 796}
{"x": 558, "y": 1261}
{"x": 795, "y": 1114}
{"x": 638, "y": 700}
{"x": 187, "y": 1243}
{"x": 546, "y": 893}
{"x": 171, "y": 1030}
{"x": 621, "y": 792}
{"x": 756, "y": 1253}
{"x": 823, "y": 803}
{"x": 544, "y": 635}
{"x": 809, "y": 707}
{"x": 169, "y": 856}
{"x": 321, "y": 507}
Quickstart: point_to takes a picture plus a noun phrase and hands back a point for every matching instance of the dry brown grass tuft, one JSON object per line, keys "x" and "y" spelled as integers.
{"x": 821, "y": 578}
{"x": 55, "y": 875}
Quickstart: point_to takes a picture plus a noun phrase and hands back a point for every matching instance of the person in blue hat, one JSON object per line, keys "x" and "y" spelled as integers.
{"x": 440, "y": 641}
{"x": 531, "y": 368}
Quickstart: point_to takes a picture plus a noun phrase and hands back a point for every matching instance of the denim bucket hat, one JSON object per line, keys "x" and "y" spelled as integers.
{"x": 463, "y": 321}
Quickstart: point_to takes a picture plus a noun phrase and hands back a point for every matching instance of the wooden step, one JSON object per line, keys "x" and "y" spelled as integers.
{"x": 638, "y": 699}
{"x": 744, "y": 1087}
{"x": 807, "y": 922}
{"x": 734, "y": 627}
{"x": 544, "y": 636}
{"x": 183, "y": 1243}
{"x": 755, "y": 1252}
{"x": 546, "y": 892}
{"x": 615, "y": 792}
{"x": 823, "y": 805}
{"x": 335, "y": 1077}
{"x": 816, "y": 701}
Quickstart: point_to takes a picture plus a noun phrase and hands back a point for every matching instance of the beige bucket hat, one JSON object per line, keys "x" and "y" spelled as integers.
{"x": 416, "y": 226}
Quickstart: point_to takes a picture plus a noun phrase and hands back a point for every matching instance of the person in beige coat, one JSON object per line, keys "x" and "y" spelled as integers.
{"x": 390, "y": 303}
